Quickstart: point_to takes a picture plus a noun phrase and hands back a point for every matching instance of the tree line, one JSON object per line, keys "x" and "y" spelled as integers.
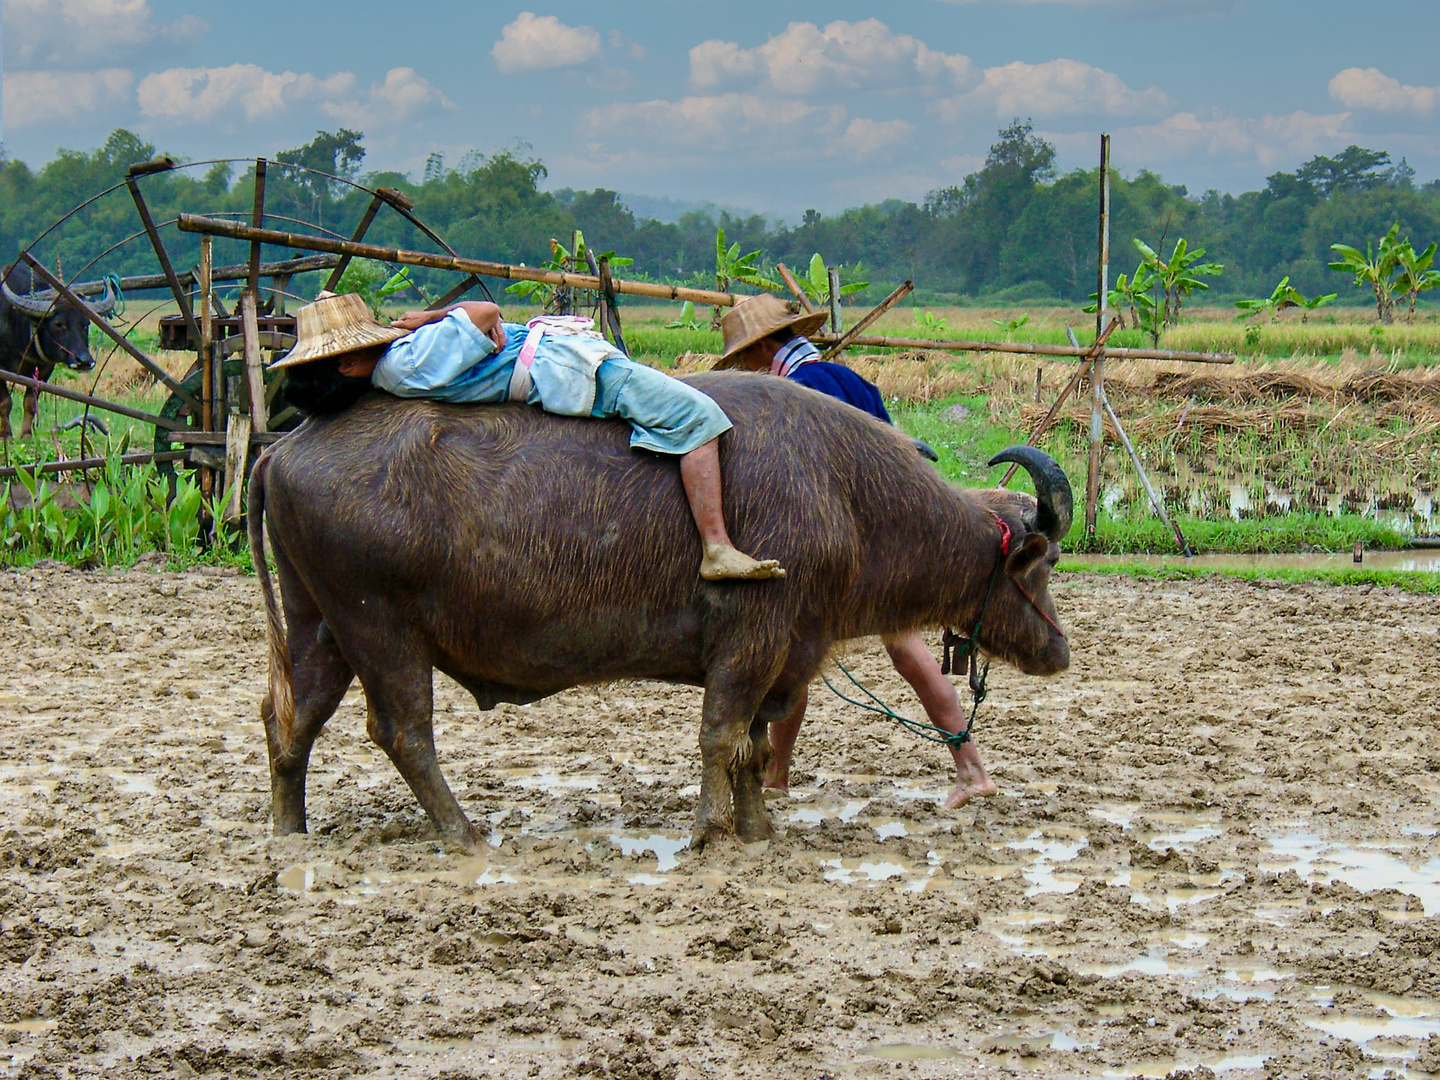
{"x": 1017, "y": 229}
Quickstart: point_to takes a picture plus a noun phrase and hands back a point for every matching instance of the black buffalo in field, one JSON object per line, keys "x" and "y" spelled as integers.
{"x": 39, "y": 330}
{"x": 522, "y": 554}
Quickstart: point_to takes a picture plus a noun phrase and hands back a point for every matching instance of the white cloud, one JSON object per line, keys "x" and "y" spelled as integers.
{"x": 723, "y": 122}
{"x": 542, "y": 42}
{"x": 844, "y": 55}
{"x": 1055, "y": 88}
{"x": 196, "y": 94}
{"x": 1269, "y": 142}
{"x": 1370, "y": 88}
{"x": 865, "y": 139}
{"x": 63, "y": 97}
{"x": 78, "y": 33}
{"x": 402, "y": 95}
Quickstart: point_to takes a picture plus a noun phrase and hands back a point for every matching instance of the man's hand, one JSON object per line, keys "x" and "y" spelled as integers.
{"x": 485, "y": 316}
{"x": 413, "y": 320}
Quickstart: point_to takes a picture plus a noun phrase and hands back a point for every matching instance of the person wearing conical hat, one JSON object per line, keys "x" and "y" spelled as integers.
{"x": 764, "y": 334}
{"x": 468, "y": 353}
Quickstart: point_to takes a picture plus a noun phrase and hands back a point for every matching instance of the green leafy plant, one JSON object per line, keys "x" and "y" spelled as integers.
{"x": 1414, "y": 274}
{"x": 1374, "y": 268}
{"x": 929, "y": 321}
{"x": 1009, "y": 326}
{"x": 1178, "y": 276}
{"x": 1284, "y": 296}
{"x": 816, "y": 281}
{"x": 687, "y": 320}
{"x": 369, "y": 280}
{"x": 731, "y": 266}
{"x": 1132, "y": 294}
{"x": 558, "y": 299}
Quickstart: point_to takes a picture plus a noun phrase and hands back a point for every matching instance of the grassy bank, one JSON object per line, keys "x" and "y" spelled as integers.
{"x": 1423, "y": 582}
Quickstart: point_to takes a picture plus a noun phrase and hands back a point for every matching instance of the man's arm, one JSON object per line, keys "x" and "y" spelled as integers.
{"x": 485, "y": 316}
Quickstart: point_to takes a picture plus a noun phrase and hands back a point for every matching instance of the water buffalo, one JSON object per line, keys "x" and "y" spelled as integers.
{"x": 38, "y": 330}
{"x": 523, "y": 554}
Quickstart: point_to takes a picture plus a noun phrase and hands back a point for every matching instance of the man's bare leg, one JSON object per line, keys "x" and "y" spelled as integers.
{"x": 700, "y": 473}
{"x": 917, "y": 665}
{"x": 782, "y": 741}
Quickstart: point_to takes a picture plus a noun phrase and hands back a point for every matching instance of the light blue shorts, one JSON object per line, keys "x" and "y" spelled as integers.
{"x": 669, "y": 416}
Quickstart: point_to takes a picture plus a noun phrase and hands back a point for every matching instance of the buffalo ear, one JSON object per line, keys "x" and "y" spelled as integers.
{"x": 1032, "y": 549}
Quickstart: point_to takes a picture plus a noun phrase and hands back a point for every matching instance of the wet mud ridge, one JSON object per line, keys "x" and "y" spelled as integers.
{"x": 1214, "y": 852}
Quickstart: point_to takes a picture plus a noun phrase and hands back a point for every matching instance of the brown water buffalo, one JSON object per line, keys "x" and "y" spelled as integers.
{"x": 522, "y": 554}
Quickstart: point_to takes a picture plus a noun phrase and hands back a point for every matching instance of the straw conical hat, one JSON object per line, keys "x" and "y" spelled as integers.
{"x": 334, "y": 325}
{"x": 756, "y": 317}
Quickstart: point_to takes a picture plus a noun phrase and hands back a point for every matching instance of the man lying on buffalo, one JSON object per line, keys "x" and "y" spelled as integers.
{"x": 467, "y": 353}
{"x": 761, "y": 334}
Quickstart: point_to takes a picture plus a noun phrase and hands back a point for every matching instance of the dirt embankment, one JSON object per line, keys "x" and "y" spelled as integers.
{"x": 1215, "y": 849}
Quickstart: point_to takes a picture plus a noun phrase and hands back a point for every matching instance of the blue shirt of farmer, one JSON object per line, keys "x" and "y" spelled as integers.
{"x": 799, "y": 361}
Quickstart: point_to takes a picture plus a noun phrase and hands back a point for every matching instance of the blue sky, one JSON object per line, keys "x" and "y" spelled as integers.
{"x": 775, "y": 107}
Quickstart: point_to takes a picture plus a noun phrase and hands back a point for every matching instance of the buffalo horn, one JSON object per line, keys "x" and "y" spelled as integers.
{"x": 1056, "y": 509}
{"x": 37, "y": 305}
{"x": 106, "y": 304}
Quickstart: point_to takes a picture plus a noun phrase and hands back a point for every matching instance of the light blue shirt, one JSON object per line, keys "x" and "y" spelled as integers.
{"x": 452, "y": 360}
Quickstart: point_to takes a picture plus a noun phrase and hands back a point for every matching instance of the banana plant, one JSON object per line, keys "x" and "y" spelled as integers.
{"x": 816, "y": 281}
{"x": 929, "y": 321}
{"x": 1178, "y": 276}
{"x": 731, "y": 266}
{"x": 1415, "y": 274}
{"x": 1375, "y": 268}
{"x": 1132, "y": 293}
{"x": 1011, "y": 325}
{"x": 556, "y": 299}
{"x": 687, "y": 320}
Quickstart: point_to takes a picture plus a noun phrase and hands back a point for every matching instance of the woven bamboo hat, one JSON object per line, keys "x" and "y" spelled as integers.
{"x": 757, "y": 317}
{"x": 334, "y": 325}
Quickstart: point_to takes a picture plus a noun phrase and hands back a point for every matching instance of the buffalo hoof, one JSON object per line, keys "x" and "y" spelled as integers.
{"x": 753, "y": 832}
{"x": 466, "y": 842}
{"x": 713, "y": 836}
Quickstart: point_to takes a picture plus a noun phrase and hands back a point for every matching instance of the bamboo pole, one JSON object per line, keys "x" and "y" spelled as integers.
{"x": 1026, "y": 349}
{"x": 875, "y": 313}
{"x": 794, "y": 286}
{"x": 93, "y": 402}
{"x": 1097, "y": 370}
{"x": 233, "y": 272}
{"x": 1155, "y": 500}
{"x": 78, "y": 464}
{"x": 1065, "y": 392}
{"x": 199, "y": 223}
{"x": 835, "y": 324}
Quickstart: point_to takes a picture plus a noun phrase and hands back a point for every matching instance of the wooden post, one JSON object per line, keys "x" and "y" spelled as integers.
{"x": 257, "y": 220}
{"x": 1038, "y": 371}
{"x": 254, "y": 365}
{"x": 237, "y": 449}
{"x": 1097, "y": 370}
{"x": 835, "y": 326}
{"x": 207, "y": 371}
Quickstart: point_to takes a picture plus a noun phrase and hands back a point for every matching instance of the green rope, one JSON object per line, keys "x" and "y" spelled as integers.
{"x": 928, "y": 732}
{"x": 978, "y": 692}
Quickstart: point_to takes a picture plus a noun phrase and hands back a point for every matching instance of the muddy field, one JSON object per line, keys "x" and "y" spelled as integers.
{"x": 1214, "y": 849}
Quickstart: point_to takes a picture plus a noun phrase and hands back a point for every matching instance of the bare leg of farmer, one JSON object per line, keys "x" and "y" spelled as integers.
{"x": 917, "y": 665}
{"x": 700, "y": 473}
{"x": 782, "y": 741}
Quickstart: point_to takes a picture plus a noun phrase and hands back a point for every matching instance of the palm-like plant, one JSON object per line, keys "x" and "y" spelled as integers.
{"x": 1415, "y": 274}
{"x": 1374, "y": 268}
{"x": 1178, "y": 276}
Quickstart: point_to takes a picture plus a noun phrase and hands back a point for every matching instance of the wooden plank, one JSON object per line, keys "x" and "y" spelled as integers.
{"x": 1026, "y": 349}
{"x": 875, "y": 313}
{"x": 191, "y": 437}
{"x": 207, "y": 328}
{"x": 182, "y": 300}
{"x": 835, "y": 324}
{"x": 103, "y": 325}
{"x": 257, "y": 219}
{"x": 237, "y": 450}
{"x": 254, "y": 363}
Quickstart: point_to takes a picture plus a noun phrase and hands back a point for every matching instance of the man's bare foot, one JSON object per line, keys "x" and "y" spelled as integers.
{"x": 971, "y": 785}
{"x": 725, "y": 563}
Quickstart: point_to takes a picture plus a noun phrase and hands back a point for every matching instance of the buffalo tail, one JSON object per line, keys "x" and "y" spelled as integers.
{"x": 282, "y": 679}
